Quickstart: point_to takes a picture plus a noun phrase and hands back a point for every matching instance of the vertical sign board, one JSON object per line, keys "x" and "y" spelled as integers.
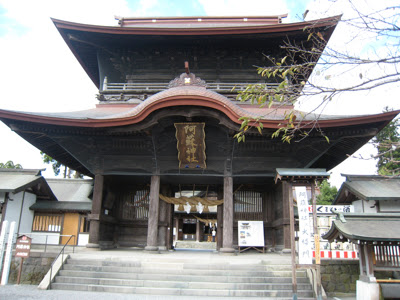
{"x": 251, "y": 233}
{"x": 191, "y": 145}
{"x": 305, "y": 252}
{"x": 7, "y": 259}
{"x": 3, "y": 242}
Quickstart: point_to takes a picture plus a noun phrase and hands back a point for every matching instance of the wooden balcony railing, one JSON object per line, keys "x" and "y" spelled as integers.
{"x": 223, "y": 87}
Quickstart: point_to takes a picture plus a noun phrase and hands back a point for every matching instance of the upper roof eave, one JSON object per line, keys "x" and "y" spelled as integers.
{"x": 281, "y": 27}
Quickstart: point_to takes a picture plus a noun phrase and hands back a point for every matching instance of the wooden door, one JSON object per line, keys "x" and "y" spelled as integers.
{"x": 70, "y": 227}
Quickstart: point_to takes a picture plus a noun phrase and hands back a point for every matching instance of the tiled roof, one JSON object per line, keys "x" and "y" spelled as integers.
{"x": 383, "y": 227}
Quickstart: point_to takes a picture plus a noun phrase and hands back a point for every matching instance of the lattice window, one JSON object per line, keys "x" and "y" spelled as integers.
{"x": 248, "y": 206}
{"x": 136, "y": 205}
{"x": 47, "y": 222}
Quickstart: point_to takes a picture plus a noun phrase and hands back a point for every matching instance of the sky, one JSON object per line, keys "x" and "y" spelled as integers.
{"x": 39, "y": 73}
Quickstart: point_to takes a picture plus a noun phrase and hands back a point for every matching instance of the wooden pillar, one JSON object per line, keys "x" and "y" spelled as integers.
{"x": 177, "y": 229}
{"x": 152, "y": 230}
{"x": 163, "y": 220}
{"x": 220, "y": 234}
{"x": 287, "y": 193}
{"x": 227, "y": 242}
{"x": 369, "y": 266}
{"x": 198, "y": 228}
{"x": 170, "y": 232}
{"x": 94, "y": 231}
{"x": 362, "y": 262}
{"x": 162, "y": 226}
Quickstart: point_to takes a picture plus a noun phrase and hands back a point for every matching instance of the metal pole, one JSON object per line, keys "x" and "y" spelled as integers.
{"x": 292, "y": 241}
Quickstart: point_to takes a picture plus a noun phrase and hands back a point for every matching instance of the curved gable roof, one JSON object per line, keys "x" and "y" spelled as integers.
{"x": 109, "y": 116}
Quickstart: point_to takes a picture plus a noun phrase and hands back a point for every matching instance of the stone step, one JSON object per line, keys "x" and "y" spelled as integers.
{"x": 168, "y": 265}
{"x": 181, "y": 291}
{"x": 173, "y": 283}
{"x": 95, "y": 262}
{"x": 197, "y": 277}
{"x": 155, "y": 270}
{"x": 195, "y": 245}
{"x": 183, "y": 275}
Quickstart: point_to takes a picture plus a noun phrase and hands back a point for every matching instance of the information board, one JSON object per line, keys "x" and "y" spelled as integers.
{"x": 251, "y": 233}
{"x": 305, "y": 252}
{"x": 23, "y": 246}
{"x": 327, "y": 209}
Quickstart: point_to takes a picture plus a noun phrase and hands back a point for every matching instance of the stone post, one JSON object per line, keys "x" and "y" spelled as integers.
{"x": 152, "y": 229}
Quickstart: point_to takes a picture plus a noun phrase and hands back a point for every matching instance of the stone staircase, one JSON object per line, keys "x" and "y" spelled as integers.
{"x": 172, "y": 276}
{"x": 195, "y": 245}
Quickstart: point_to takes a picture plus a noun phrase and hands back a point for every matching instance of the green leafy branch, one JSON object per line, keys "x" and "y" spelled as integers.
{"x": 288, "y": 78}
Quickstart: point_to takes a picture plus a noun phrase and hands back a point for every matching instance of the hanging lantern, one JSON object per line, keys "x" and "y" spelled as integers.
{"x": 200, "y": 207}
{"x": 187, "y": 207}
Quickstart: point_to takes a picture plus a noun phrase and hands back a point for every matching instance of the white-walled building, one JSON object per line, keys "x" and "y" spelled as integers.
{"x": 49, "y": 211}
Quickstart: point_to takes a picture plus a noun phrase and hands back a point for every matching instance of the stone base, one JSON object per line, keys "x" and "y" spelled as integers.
{"x": 106, "y": 245}
{"x": 93, "y": 247}
{"x": 151, "y": 249}
{"x": 286, "y": 251}
{"x": 367, "y": 290}
{"x": 227, "y": 251}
